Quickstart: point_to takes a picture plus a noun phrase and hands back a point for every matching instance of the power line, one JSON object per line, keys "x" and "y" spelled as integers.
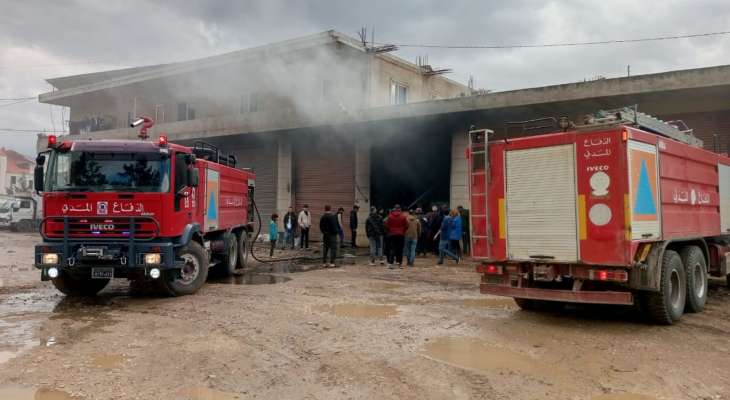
{"x": 18, "y": 98}
{"x": 25, "y": 130}
{"x": 16, "y": 102}
{"x": 567, "y": 44}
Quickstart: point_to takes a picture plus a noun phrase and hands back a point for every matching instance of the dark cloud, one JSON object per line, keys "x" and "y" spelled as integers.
{"x": 137, "y": 32}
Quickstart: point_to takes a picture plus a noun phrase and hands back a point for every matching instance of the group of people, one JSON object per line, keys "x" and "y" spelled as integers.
{"x": 393, "y": 235}
{"x": 412, "y": 232}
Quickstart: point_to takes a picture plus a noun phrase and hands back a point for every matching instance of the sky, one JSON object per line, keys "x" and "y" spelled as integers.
{"x": 46, "y": 39}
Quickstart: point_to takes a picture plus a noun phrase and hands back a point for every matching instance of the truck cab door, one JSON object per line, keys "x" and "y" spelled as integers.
{"x": 184, "y": 195}
{"x": 478, "y": 160}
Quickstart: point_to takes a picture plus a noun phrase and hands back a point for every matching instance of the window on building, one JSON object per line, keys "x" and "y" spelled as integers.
{"x": 185, "y": 112}
{"x": 398, "y": 93}
{"x": 254, "y": 102}
{"x": 159, "y": 113}
{"x": 13, "y": 180}
{"x": 182, "y": 111}
{"x": 245, "y": 103}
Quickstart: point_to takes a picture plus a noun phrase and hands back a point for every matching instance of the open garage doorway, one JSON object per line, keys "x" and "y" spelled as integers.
{"x": 411, "y": 167}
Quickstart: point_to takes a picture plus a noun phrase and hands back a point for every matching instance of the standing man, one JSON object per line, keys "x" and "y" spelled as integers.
{"x": 423, "y": 238}
{"x": 290, "y": 226}
{"x": 305, "y": 222}
{"x": 328, "y": 226}
{"x": 396, "y": 225}
{"x": 412, "y": 234}
{"x": 341, "y": 226}
{"x": 353, "y": 224}
{"x": 456, "y": 232}
{"x": 434, "y": 224}
{"x": 443, "y": 236}
{"x": 465, "y": 236}
{"x": 374, "y": 230}
{"x": 273, "y": 232}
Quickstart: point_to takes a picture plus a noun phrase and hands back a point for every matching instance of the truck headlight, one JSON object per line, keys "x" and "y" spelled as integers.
{"x": 49, "y": 259}
{"x": 152, "y": 258}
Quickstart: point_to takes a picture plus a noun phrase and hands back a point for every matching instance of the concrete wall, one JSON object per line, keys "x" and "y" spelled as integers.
{"x": 362, "y": 186}
{"x": 284, "y": 198}
{"x": 459, "y": 172}
{"x": 420, "y": 87}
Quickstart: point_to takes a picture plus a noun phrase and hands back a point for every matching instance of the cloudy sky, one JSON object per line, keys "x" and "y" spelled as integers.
{"x": 44, "y": 39}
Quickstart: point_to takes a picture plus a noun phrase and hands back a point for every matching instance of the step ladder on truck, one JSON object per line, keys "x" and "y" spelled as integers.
{"x": 622, "y": 209}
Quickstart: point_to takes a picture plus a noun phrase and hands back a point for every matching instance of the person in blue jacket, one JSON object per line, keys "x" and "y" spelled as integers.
{"x": 273, "y": 232}
{"x": 444, "y": 239}
{"x": 455, "y": 234}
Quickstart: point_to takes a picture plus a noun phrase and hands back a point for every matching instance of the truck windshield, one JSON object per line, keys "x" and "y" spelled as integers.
{"x": 83, "y": 171}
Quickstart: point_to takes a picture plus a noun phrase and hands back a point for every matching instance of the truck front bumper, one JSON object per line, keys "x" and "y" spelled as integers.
{"x": 79, "y": 257}
{"x": 571, "y": 296}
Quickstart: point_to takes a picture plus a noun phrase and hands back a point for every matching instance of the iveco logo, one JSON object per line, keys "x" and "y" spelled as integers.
{"x": 102, "y": 227}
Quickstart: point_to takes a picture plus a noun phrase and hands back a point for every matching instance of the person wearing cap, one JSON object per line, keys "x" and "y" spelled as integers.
{"x": 353, "y": 224}
{"x": 305, "y": 222}
{"x": 396, "y": 226}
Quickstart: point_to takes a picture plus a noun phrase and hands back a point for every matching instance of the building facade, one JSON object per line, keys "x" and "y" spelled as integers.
{"x": 16, "y": 172}
{"x": 326, "y": 120}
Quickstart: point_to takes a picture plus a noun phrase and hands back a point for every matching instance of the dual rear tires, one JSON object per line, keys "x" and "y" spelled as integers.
{"x": 682, "y": 287}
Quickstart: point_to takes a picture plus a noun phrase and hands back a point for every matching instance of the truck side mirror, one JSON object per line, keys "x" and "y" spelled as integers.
{"x": 192, "y": 178}
{"x": 38, "y": 172}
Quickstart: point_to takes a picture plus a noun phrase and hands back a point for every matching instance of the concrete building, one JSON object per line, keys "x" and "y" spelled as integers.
{"x": 16, "y": 172}
{"x": 321, "y": 119}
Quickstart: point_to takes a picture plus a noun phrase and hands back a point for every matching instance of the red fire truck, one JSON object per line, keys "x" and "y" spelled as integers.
{"x": 625, "y": 209}
{"x": 150, "y": 211}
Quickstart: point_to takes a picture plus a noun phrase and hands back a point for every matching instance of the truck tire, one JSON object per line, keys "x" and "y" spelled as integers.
{"x": 25, "y": 225}
{"x": 525, "y": 304}
{"x": 192, "y": 275}
{"x": 667, "y": 305}
{"x": 696, "y": 269}
{"x": 243, "y": 250}
{"x": 72, "y": 286}
{"x": 229, "y": 261}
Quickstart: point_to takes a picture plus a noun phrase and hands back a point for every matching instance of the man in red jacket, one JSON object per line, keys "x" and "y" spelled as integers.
{"x": 396, "y": 225}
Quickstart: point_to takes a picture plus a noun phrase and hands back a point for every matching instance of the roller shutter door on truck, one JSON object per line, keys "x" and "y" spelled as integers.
{"x": 261, "y": 157}
{"x": 324, "y": 173}
{"x": 541, "y": 204}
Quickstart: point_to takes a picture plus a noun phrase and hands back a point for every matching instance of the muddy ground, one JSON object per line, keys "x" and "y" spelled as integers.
{"x": 358, "y": 332}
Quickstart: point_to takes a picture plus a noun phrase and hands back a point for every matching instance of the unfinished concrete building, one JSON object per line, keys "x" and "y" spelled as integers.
{"x": 326, "y": 120}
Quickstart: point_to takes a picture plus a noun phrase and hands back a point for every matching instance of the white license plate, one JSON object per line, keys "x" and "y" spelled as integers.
{"x": 102, "y": 273}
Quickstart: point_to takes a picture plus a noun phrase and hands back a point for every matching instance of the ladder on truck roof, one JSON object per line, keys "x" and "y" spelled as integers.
{"x": 630, "y": 116}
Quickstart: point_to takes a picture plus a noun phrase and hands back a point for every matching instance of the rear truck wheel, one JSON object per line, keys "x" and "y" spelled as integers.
{"x": 525, "y": 304}
{"x": 667, "y": 305}
{"x": 74, "y": 286}
{"x": 192, "y": 275}
{"x": 229, "y": 261}
{"x": 696, "y": 269}
{"x": 243, "y": 250}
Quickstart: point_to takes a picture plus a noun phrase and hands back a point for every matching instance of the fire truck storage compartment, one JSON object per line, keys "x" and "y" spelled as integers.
{"x": 540, "y": 203}
{"x": 724, "y": 172}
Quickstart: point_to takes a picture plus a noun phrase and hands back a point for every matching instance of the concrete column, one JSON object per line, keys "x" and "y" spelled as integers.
{"x": 459, "y": 195}
{"x": 362, "y": 186}
{"x": 283, "y": 176}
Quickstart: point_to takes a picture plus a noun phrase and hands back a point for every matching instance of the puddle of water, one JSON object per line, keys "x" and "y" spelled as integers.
{"x": 107, "y": 361}
{"x": 203, "y": 393}
{"x": 24, "y": 393}
{"x": 503, "y": 303}
{"x": 623, "y": 396}
{"x": 359, "y": 310}
{"x": 252, "y": 279}
{"x": 476, "y": 354}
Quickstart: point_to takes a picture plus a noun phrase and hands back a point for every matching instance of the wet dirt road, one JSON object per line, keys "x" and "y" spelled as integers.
{"x": 358, "y": 332}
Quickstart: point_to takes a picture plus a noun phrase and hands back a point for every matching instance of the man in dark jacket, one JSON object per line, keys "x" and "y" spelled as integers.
{"x": 396, "y": 226}
{"x": 353, "y": 224}
{"x": 375, "y": 230}
{"x": 329, "y": 227}
{"x": 290, "y": 226}
{"x": 434, "y": 224}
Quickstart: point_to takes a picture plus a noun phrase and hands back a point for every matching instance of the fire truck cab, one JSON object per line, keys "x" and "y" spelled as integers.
{"x": 152, "y": 212}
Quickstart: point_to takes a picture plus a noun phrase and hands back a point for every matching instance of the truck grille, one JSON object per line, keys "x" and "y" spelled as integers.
{"x": 101, "y": 227}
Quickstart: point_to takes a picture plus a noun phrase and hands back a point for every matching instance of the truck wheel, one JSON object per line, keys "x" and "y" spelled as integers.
{"x": 525, "y": 304}
{"x": 696, "y": 268}
{"x": 229, "y": 262}
{"x": 667, "y": 305}
{"x": 25, "y": 226}
{"x": 243, "y": 250}
{"x": 193, "y": 273}
{"x": 71, "y": 286}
